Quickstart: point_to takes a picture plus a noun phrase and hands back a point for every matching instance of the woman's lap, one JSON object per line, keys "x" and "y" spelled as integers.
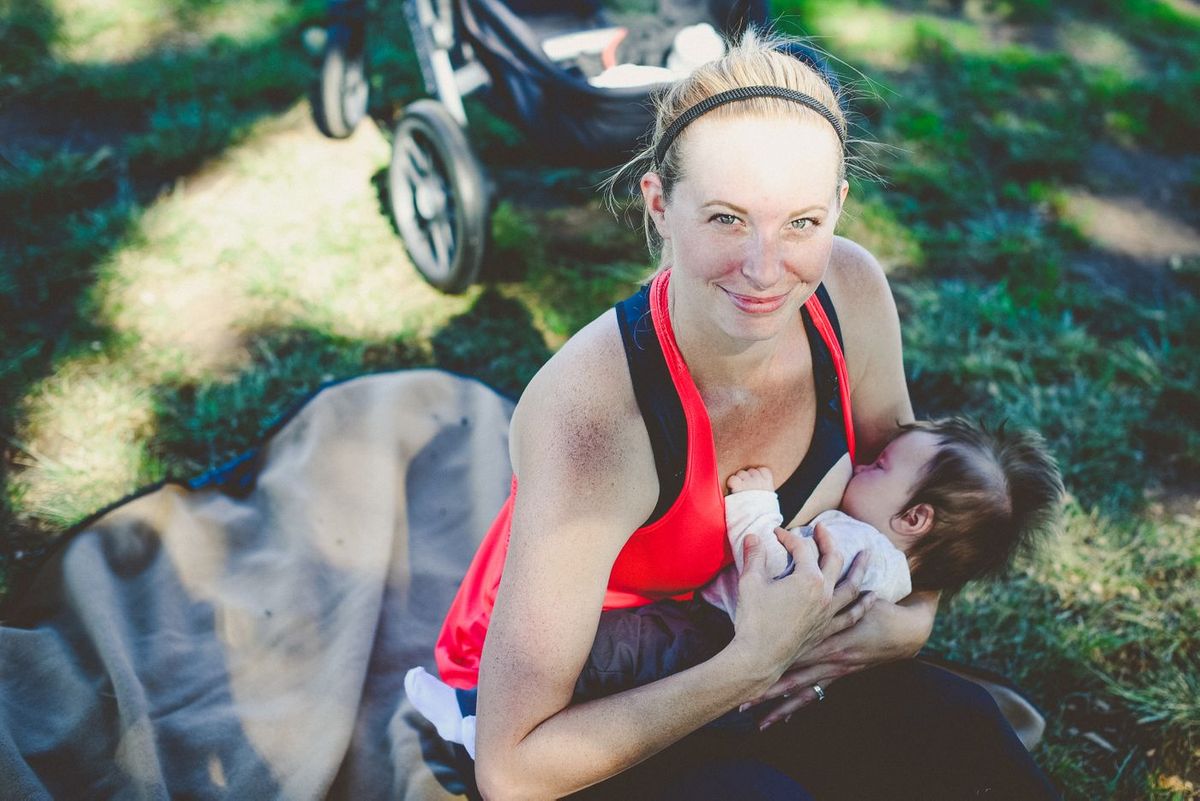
{"x": 907, "y": 730}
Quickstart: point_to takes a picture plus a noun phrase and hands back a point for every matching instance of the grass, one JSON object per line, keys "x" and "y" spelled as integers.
{"x": 188, "y": 258}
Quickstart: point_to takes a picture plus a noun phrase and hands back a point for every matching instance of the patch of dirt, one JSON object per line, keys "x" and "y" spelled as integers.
{"x": 1160, "y": 182}
{"x": 1137, "y": 210}
{"x": 1188, "y": 7}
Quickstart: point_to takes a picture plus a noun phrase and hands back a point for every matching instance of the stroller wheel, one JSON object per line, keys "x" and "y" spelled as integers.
{"x": 438, "y": 198}
{"x": 340, "y": 101}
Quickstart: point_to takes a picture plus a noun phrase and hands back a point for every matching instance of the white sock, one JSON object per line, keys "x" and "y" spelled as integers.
{"x": 438, "y": 702}
{"x": 468, "y": 733}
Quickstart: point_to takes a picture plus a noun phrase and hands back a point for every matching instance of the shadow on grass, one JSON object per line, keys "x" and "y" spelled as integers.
{"x": 201, "y": 425}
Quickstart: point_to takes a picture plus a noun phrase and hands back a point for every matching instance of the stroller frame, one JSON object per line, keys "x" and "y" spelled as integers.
{"x": 438, "y": 193}
{"x": 431, "y": 23}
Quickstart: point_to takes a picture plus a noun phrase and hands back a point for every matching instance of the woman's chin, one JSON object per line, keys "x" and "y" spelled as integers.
{"x": 756, "y": 328}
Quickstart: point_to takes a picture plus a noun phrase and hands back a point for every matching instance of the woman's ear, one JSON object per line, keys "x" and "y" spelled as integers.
{"x": 843, "y": 191}
{"x": 655, "y": 201}
{"x": 915, "y": 521}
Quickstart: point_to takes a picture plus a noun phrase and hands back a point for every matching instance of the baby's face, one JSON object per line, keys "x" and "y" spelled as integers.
{"x": 878, "y": 491}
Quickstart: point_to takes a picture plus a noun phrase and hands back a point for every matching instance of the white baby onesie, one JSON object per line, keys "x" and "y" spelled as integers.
{"x": 757, "y": 512}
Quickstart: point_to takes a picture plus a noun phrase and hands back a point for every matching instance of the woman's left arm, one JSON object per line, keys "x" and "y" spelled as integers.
{"x": 879, "y": 399}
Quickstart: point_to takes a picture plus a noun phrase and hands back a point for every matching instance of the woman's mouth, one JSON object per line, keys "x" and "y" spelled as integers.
{"x": 752, "y": 304}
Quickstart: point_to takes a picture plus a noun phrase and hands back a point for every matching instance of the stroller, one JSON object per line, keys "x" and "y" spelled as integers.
{"x": 547, "y": 65}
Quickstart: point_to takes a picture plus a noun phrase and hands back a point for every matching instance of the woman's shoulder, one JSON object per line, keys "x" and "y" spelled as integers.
{"x": 858, "y": 287}
{"x": 584, "y": 395}
{"x": 855, "y": 275}
{"x": 588, "y": 371}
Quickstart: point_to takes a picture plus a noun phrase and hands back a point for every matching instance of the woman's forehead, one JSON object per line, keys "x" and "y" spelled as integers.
{"x": 761, "y": 157}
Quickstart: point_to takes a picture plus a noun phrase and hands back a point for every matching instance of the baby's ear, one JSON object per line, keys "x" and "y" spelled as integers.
{"x": 915, "y": 521}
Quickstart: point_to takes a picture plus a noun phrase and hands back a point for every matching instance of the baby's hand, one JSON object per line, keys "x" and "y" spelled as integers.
{"x": 752, "y": 478}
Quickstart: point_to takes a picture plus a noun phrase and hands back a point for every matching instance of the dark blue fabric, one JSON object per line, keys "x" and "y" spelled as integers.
{"x": 907, "y": 731}
{"x": 736, "y": 780}
{"x": 467, "y": 700}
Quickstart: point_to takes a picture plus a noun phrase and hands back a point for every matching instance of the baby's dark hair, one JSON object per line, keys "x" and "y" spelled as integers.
{"x": 994, "y": 493}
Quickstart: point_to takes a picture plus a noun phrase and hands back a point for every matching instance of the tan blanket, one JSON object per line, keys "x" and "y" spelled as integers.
{"x": 247, "y": 636}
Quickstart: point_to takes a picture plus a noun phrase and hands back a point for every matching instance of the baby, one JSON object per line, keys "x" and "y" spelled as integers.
{"x": 946, "y": 501}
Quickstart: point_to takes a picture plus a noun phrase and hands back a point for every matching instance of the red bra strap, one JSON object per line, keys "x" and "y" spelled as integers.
{"x": 817, "y": 312}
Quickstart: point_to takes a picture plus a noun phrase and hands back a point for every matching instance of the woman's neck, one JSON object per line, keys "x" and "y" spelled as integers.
{"x": 719, "y": 362}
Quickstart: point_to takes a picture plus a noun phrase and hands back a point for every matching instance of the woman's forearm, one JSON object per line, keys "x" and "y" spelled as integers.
{"x": 923, "y": 606}
{"x": 592, "y": 741}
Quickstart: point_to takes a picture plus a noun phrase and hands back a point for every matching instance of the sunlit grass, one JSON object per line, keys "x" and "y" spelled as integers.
{"x": 1105, "y": 601}
{"x": 1101, "y": 47}
{"x": 211, "y": 276}
{"x": 868, "y": 220}
{"x": 107, "y": 31}
{"x": 84, "y": 440}
{"x": 231, "y": 251}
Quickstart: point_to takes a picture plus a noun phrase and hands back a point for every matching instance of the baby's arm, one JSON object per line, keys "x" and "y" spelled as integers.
{"x": 752, "y": 507}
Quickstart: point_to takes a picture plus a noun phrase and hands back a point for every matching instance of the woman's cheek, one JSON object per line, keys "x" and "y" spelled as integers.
{"x": 731, "y": 252}
{"x": 716, "y": 256}
{"x": 812, "y": 260}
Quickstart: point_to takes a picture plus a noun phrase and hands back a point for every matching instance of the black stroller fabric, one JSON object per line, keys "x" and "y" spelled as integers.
{"x": 565, "y": 117}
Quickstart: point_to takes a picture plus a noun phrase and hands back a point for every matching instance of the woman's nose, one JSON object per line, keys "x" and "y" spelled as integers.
{"x": 762, "y": 267}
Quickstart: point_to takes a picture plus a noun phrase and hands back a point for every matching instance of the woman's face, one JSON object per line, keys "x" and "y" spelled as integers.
{"x": 750, "y": 224}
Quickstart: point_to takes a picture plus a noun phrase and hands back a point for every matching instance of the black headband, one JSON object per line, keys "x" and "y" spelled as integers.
{"x": 743, "y": 93}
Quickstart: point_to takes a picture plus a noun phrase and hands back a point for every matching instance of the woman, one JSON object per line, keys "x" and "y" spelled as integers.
{"x": 620, "y": 464}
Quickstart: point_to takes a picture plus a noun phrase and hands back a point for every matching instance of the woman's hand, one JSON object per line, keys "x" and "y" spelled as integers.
{"x": 880, "y": 632}
{"x": 780, "y": 621}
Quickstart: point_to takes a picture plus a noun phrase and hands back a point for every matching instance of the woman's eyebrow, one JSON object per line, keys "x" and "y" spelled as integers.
{"x": 740, "y": 210}
{"x": 726, "y": 204}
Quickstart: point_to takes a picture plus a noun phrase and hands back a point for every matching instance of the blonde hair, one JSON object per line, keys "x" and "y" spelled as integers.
{"x": 759, "y": 58}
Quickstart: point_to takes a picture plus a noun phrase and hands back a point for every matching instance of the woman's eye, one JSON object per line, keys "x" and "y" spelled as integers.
{"x": 803, "y": 223}
{"x": 725, "y": 219}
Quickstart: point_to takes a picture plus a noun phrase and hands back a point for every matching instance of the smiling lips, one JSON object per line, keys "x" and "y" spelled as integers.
{"x": 754, "y": 305}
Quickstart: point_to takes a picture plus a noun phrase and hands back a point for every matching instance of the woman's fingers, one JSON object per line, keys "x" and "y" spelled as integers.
{"x": 802, "y": 549}
{"x": 848, "y": 588}
{"x": 850, "y": 615}
{"x": 753, "y": 555}
{"x": 794, "y": 690}
{"x": 796, "y": 699}
{"x": 831, "y": 561}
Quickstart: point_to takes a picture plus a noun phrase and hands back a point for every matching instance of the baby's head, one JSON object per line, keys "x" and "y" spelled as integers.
{"x": 959, "y": 499}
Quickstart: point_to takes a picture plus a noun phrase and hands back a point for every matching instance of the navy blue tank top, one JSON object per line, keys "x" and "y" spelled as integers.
{"x": 663, "y": 412}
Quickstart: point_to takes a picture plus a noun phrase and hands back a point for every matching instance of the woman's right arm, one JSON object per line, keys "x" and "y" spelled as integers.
{"x": 586, "y": 482}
